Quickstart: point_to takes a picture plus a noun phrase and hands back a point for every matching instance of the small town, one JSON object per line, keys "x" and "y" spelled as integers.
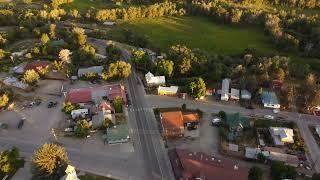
{"x": 159, "y": 90}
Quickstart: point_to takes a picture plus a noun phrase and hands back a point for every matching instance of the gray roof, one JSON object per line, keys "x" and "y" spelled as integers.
{"x": 94, "y": 69}
{"x": 245, "y": 94}
{"x": 97, "y": 120}
{"x": 269, "y": 97}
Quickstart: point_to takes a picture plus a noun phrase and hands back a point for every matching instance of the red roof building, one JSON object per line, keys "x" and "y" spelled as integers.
{"x": 197, "y": 165}
{"x": 172, "y": 124}
{"x": 96, "y": 94}
{"x": 36, "y": 65}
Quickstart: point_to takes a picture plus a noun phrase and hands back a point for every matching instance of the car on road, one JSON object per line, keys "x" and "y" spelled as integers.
{"x": 21, "y": 122}
{"x": 268, "y": 117}
{"x": 216, "y": 121}
{"x": 52, "y": 104}
{"x": 249, "y": 107}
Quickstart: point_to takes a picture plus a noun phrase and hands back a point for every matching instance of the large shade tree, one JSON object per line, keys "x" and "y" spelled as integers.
{"x": 49, "y": 162}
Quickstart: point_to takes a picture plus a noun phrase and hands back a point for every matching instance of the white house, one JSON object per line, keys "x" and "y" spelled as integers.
{"x": 154, "y": 80}
{"x": 92, "y": 69}
{"x": 281, "y": 135}
{"x": 270, "y": 100}
{"x": 235, "y": 94}
{"x": 79, "y": 113}
{"x": 225, "y": 89}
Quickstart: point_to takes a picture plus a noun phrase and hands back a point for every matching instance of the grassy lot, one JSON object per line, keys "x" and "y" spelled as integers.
{"x": 83, "y": 5}
{"x": 198, "y": 32}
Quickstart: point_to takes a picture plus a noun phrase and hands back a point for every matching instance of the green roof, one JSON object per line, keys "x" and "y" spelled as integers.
{"x": 235, "y": 120}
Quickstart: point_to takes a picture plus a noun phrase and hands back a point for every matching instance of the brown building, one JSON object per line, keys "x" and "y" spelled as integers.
{"x": 188, "y": 165}
{"x": 173, "y": 123}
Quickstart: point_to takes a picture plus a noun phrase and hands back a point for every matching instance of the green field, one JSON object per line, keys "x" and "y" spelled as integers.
{"x": 84, "y": 5}
{"x": 198, "y": 32}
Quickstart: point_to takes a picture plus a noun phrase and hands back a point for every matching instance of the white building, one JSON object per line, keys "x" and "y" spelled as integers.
{"x": 172, "y": 90}
{"x": 154, "y": 80}
{"x": 225, "y": 89}
{"x": 235, "y": 94}
{"x": 79, "y": 113}
{"x": 281, "y": 135}
{"x": 92, "y": 69}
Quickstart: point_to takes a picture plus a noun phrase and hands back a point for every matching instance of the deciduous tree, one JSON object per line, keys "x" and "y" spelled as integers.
{"x": 49, "y": 162}
{"x": 31, "y": 77}
{"x": 164, "y": 67}
{"x": 196, "y": 88}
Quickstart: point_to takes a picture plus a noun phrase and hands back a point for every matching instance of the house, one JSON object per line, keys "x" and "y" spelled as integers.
{"x": 79, "y": 113}
{"x": 100, "y": 56}
{"x": 168, "y": 91}
{"x": 253, "y": 153}
{"x": 276, "y": 84}
{"x": 289, "y": 159}
{"x": 109, "y": 23}
{"x": 210, "y": 92}
{"x": 36, "y": 65}
{"x": 172, "y": 124}
{"x": 236, "y": 123}
{"x": 97, "y": 120}
{"x": 281, "y": 135}
{"x": 93, "y": 69}
{"x": 245, "y": 94}
{"x": 270, "y": 100}
{"x": 105, "y": 106}
{"x": 225, "y": 89}
{"x": 14, "y": 82}
{"x": 96, "y": 94}
{"x": 118, "y": 134}
{"x": 318, "y": 130}
{"x": 235, "y": 94}
{"x": 191, "y": 120}
{"x": 189, "y": 165}
{"x": 154, "y": 80}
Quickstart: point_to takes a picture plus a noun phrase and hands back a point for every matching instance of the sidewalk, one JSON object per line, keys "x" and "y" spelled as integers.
{"x": 23, "y": 173}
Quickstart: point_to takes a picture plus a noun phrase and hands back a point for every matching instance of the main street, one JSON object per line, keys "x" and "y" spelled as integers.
{"x": 145, "y": 131}
{"x": 303, "y": 120}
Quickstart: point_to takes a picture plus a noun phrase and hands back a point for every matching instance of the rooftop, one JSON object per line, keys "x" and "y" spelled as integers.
{"x": 172, "y": 123}
{"x": 192, "y": 165}
{"x": 236, "y": 120}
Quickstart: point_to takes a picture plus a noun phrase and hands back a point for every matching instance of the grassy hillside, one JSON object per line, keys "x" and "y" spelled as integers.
{"x": 198, "y": 32}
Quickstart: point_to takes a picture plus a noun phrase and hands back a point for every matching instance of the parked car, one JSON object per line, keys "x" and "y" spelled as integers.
{"x": 52, "y": 104}
{"x": 38, "y": 102}
{"x": 216, "y": 121}
{"x": 21, "y": 122}
{"x": 276, "y": 111}
{"x": 3, "y": 125}
{"x": 249, "y": 107}
{"x": 268, "y": 117}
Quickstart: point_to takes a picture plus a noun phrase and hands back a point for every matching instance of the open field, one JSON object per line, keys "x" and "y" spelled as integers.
{"x": 83, "y": 5}
{"x": 197, "y": 32}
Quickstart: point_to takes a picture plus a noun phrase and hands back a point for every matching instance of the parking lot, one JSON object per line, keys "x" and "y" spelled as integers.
{"x": 39, "y": 119}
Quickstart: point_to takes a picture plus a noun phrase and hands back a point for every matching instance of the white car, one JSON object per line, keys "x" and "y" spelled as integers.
{"x": 276, "y": 111}
{"x": 215, "y": 121}
{"x": 268, "y": 117}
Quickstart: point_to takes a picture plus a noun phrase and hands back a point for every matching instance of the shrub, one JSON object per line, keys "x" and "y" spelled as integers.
{"x": 83, "y": 128}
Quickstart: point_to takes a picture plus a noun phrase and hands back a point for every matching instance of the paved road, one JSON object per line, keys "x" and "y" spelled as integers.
{"x": 145, "y": 130}
{"x": 303, "y": 120}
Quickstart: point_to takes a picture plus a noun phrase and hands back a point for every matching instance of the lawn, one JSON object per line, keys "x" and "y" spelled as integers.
{"x": 84, "y": 5}
{"x": 198, "y": 32}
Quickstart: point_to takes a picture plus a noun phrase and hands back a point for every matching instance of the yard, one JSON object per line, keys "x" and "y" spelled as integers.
{"x": 198, "y": 32}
